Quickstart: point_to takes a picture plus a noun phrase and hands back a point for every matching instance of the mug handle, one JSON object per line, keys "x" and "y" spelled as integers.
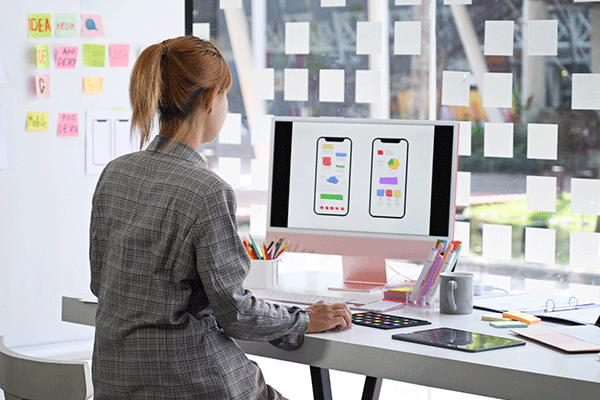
{"x": 450, "y": 287}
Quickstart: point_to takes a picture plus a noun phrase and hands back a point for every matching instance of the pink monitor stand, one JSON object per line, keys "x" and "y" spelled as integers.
{"x": 363, "y": 258}
{"x": 362, "y": 274}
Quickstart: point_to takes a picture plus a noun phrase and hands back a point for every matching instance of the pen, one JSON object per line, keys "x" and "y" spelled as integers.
{"x": 436, "y": 281}
{"x": 258, "y": 255}
{"x": 458, "y": 249}
{"x": 282, "y": 249}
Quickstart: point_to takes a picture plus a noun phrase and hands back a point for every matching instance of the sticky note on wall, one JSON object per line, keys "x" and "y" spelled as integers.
{"x": 297, "y": 39}
{"x": 118, "y": 55}
{"x": 94, "y": 55}
{"x": 93, "y": 84}
{"x": 499, "y": 37}
{"x": 42, "y": 56}
{"x": 333, "y": 3}
{"x": 39, "y": 25}
{"x": 541, "y": 38}
{"x": 42, "y": 85}
{"x": 368, "y": 37}
{"x": 201, "y": 30}
{"x": 295, "y": 85}
{"x": 91, "y": 25}
{"x": 37, "y": 121}
{"x": 455, "y": 88}
{"x": 230, "y": 3}
{"x": 66, "y": 57}
{"x": 331, "y": 85}
{"x": 586, "y": 92}
{"x": 407, "y": 37}
{"x": 68, "y": 125}
{"x": 65, "y": 25}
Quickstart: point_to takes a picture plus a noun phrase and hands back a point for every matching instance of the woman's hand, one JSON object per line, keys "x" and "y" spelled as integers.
{"x": 327, "y": 317}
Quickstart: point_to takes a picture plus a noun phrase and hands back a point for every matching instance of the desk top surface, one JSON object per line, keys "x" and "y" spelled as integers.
{"x": 531, "y": 371}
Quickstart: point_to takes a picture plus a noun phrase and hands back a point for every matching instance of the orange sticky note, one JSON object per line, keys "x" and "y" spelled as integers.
{"x": 521, "y": 316}
{"x": 68, "y": 125}
{"x": 42, "y": 85}
{"x": 93, "y": 84}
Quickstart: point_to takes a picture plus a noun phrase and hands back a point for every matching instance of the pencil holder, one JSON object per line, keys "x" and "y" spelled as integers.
{"x": 263, "y": 274}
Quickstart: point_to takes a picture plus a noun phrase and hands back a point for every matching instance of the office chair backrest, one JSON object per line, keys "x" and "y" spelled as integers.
{"x": 23, "y": 377}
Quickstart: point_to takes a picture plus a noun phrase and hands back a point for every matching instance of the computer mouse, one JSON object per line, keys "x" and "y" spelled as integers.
{"x": 598, "y": 356}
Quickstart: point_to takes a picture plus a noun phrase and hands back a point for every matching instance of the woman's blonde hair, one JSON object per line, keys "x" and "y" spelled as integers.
{"x": 176, "y": 79}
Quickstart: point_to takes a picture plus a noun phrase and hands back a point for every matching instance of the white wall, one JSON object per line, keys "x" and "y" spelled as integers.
{"x": 45, "y": 195}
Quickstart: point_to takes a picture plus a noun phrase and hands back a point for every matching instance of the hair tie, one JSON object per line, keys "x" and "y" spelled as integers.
{"x": 166, "y": 50}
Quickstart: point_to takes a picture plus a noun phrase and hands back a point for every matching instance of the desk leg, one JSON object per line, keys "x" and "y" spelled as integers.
{"x": 320, "y": 383}
{"x": 372, "y": 388}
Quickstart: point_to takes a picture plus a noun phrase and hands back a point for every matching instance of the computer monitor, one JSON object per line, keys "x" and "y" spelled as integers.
{"x": 365, "y": 189}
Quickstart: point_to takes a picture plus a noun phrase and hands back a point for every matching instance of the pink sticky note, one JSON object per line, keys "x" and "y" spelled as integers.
{"x": 66, "y": 57}
{"x": 118, "y": 55}
{"x": 42, "y": 85}
{"x": 91, "y": 25}
{"x": 68, "y": 125}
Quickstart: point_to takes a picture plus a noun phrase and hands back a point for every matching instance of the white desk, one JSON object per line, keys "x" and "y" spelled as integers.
{"x": 533, "y": 371}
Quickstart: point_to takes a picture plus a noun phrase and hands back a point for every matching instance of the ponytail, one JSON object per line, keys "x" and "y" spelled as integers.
{"x": 145, "y": 91}
{"x": 176, "y": 79}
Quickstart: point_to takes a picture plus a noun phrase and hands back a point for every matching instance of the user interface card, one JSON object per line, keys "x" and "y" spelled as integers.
{"x": 388, "y": 178}
{"x": 332, "y": 183}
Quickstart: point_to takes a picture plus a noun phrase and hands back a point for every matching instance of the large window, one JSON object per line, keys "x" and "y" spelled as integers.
{"x": 521, "y": 76}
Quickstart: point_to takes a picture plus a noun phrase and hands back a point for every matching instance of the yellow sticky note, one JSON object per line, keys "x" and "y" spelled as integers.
{"x": 93, "y": 84}
{"x": 37, "y": 121}
{"x": 42, "y": 56}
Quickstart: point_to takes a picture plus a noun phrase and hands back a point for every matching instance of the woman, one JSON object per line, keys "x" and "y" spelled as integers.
{"x": 166, "y": 260}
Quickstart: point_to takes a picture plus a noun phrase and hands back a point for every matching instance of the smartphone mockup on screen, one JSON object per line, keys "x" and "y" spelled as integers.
{"x": 389, "y": 162}
{"x": 332, "y": 181}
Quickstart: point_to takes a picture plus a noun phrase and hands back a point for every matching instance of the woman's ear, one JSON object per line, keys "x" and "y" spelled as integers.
{"x": 210, "y": 98}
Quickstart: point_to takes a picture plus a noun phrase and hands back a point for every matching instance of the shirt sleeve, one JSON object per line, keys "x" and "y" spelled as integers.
{"x": 223, "y": 264}
{"x": 95, "y": 247}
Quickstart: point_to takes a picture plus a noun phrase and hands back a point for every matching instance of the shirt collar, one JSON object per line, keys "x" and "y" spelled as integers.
{"x": 160, "y": 144}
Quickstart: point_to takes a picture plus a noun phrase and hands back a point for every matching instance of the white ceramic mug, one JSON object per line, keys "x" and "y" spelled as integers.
{"x": 263, "y": 274}
{"x": 456, "y": 293}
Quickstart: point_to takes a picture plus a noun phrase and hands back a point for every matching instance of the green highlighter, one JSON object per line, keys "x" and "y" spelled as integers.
{"x": 508, "y": 324}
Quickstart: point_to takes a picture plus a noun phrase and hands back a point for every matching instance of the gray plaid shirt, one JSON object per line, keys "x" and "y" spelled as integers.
{"x": 167, "y": 265}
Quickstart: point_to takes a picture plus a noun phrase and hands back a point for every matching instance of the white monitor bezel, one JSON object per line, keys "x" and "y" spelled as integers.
{"x": 360, "y": 244}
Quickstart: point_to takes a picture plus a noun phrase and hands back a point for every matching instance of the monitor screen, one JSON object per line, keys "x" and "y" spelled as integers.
{"x": 361, "y": 187}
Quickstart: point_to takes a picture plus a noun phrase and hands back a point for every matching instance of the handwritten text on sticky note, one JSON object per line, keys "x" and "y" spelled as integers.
{"x": 42, "y": 56}
{"x": 93, "y": 55}
{"x": 66, "y": 57}
{"x": 118, "y": 55}
{"x": 37, "y": 121}
{"x": 65, "y": 25}
{"x": 68, "y": 125}
{"x": 39, "y": 25}
{"x": 42, "y": 85}
{"x": 93, "y": 84}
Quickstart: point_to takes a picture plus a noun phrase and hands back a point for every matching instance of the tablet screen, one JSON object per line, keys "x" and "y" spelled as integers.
{"x": 457, "y": 339}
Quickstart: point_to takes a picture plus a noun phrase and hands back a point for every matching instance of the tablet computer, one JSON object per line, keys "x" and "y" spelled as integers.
{"x": 457, "y": 339}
